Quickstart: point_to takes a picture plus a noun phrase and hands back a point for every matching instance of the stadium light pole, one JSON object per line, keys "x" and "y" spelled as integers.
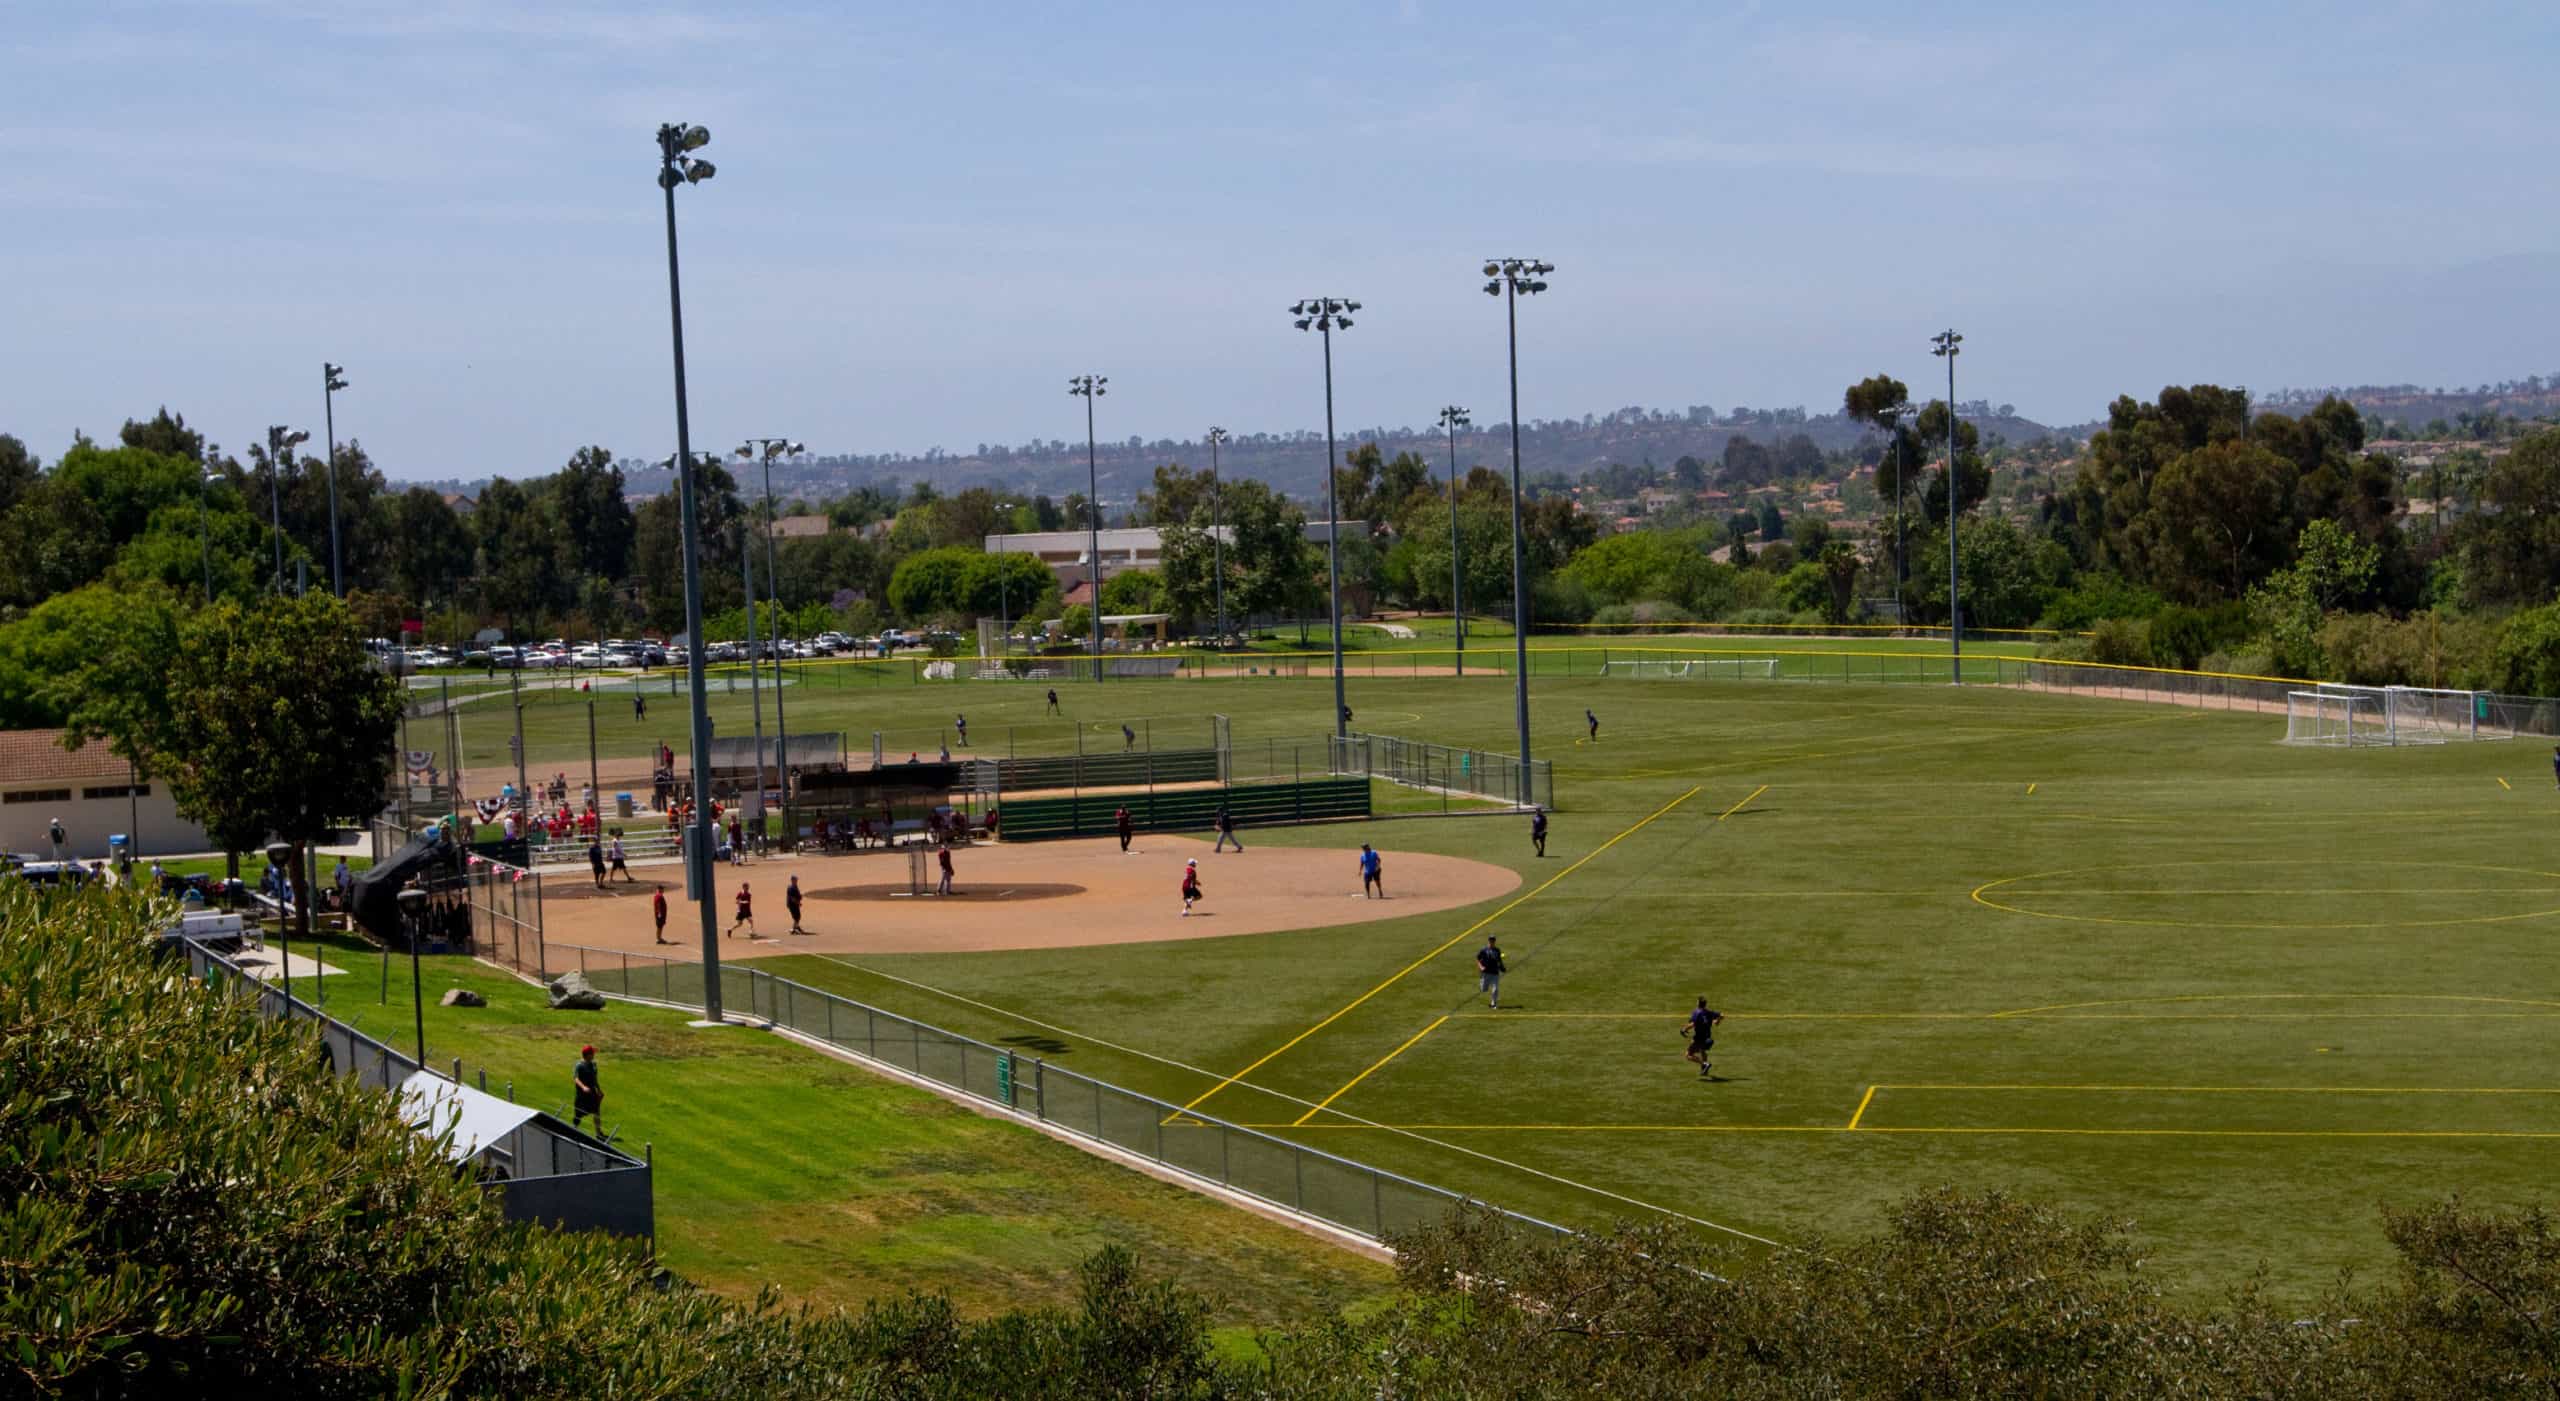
{"x": 332, "y": 379}
{"x": 1090, "y": 388}
{"x": 1452, "y": 419}
{"x": 1946, "y": 342}
{"x": 1510, "y": 279}
{"x": 280, "y": 440}
{"x": 1004, "y": 586}
{"x": 766, "y": 450}
{"x": 677, "y": 166}
{"x": 1217, "y": 545}
{"x": 1323, "y": 315}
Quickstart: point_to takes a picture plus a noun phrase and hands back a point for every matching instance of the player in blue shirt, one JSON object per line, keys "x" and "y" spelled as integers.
{"x": 1701, "y": 1027}
{"x": 1372, "y": 872}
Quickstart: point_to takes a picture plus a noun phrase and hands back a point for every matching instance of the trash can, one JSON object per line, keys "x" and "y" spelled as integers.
{"x": 623, "y": 806}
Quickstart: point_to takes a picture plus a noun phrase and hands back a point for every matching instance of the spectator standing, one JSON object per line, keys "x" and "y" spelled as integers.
{"x": 595, "y": 860}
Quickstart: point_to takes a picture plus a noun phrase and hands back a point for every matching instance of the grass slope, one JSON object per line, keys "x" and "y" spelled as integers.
{"x": 779, "y": 1165}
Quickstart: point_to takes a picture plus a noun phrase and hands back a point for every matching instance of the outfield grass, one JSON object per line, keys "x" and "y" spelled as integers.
{"x": 779, "y": 1165}
{"x": 2136, "y": 959}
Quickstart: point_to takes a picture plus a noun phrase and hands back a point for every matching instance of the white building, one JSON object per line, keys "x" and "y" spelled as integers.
{"x": 1124, "y": 548}
{"x": 91, "y": 792}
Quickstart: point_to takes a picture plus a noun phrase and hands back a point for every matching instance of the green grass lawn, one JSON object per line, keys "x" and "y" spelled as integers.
{"x": 2135, "y": 959}
{"x": 776, "y": 1164}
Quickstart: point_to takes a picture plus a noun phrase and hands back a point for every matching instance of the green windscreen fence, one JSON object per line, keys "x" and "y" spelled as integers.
{"x": 1186, "y": 810}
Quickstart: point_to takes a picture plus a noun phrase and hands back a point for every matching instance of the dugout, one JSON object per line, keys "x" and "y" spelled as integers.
{"x": 867, "y": 809}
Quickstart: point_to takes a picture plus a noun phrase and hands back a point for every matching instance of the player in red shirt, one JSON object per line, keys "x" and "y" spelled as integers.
{"x": 1190, "y": 886}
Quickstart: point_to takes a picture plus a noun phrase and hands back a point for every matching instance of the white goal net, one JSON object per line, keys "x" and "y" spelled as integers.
{"x": 2338, "y": 714}
{"x": 1692, "y": 668}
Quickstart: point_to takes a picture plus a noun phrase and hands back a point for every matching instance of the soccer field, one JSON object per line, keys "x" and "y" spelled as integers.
{"x": 2134, "y": 959}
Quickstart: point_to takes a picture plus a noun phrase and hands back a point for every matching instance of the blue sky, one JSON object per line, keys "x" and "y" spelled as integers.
{"x": 927, "y": 217}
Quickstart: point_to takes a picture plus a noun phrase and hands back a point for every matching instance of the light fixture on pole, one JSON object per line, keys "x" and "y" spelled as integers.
{"x": 1511, "y": 279}
{"x": 1452, "y": 419}
{"x": 766, "y": 450}
{"x": 332, "y": 379}
{"x": 677, "y": 166}
{"x": 1090, "y": 388}
{"x": 1004, "y": 585}
{"x": 281, "y": 442}
{"x": 1322, "y": 315}
{"x": 1217, "y": 542}
{"x": 1946, "y": 343}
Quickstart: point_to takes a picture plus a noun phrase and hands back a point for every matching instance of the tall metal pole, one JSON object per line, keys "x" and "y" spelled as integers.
{"x": 1946, "y": 342}
{"x": 1217, "y": 543}
{"x": 1519, "y": 555}
{"x": 755, "y": 667}
{"x": 1090, "y": 388}
{"x": 773, "y": 590}
{"x": 330, "y": 384}
{"x": 1333, "y": 534}
{"x": 204, "y": 530}
{"x": 275, "y": 500}
{"x": 1451, "y": 418}
{"x": 675, "y": 169}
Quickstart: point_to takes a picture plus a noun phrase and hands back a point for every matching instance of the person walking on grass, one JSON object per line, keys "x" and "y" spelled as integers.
{"x": 1120, "y": 823}
{"x": 615, "y": 860}
{"x": 1702, "y": 1037}
{"x": 1227, "y": 831}
{"x": 746, "y": 913}
{"x": 945, "y": 887}
{"x": 1594, "y": 722}
{"x": 1372, "y": 872}
{"x": 639, "y": 706}
{"x": 586, "y": 1090}
{"x": 1538, "y": 829}
{"x": 658, "y": 911}
{"x": 961, "y": 723}
{"x": 1489, "y": 971}
{"x": 1190, "y": 885}
{"x": 1128, "y": 738}
{"x": 1053, "y": 701}
{"x": 791, "y": 902}
{"x": 595, "y": 860}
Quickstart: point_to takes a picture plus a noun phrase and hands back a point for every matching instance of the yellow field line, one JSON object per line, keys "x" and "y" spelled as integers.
{"x": 1994, "y": 1016}
{"x": 2279, "y": 997}
{"x": 1453, "y": 942}
{"x": 1365, "y": 1074}
{"x": 2506, "y": 785}
{"x": 1869, "y": 1098}
{"x": 2031, "y": 790}
{"x": 1835, "y": 1128}
{"x": 2244, "y": 1089}
{"x": 1737, "y": 807}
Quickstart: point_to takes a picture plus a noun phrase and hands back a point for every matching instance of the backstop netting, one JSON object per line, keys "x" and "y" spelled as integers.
{"x": 1692, "y": 668}
{"x": 2340, "y": 714}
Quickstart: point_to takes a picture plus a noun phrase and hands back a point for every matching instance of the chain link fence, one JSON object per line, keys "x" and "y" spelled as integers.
{"x": 1448, "y": 770}
{"x": 1364, "y": 1201}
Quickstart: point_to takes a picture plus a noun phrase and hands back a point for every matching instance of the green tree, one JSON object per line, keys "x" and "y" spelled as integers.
{"x": 586, "y": 498}
{"x": 931, "y": 582}
{"x": 427, "y": 548}
{"x": 1268, "y": 566}
{"x": 2221, "y": 520}
{"x": 1178, "y": 494}
{"x": 526, "y": 564}
{"x": 1016, "y": 585}
{"x": 2510, "y": 546}
{"x": 1133, "y": 591}
{"x": 2529, "y": 652}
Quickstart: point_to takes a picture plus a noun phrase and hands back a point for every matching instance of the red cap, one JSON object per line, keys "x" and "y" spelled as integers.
{"x": 586, "y": 1050}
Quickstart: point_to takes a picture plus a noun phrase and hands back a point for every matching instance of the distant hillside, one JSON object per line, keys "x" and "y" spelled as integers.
{"x": 1293, "y": 462}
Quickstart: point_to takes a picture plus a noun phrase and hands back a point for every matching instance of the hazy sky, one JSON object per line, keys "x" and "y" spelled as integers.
{"x": 928, "y": 216}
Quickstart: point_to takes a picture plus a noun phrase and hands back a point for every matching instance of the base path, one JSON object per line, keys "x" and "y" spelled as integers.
{"x": 1038, "y": 895}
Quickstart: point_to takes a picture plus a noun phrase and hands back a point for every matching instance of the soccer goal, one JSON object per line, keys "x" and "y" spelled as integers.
{"x": 1692, "y": 668}
{"x": 2339, "y": 714}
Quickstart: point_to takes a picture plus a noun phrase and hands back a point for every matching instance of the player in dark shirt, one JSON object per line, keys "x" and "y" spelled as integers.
{"x": 1489, "y": 971}
{"x": 1120, "y": 823}
{"x": 586, "y": 1091}
{"x": 1538, "y": 829}
{"x": 1594, "y": 722}
{"x": 1701, "y": 1027}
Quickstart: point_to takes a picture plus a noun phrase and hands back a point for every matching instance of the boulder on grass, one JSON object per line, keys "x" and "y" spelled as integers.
{"x": 572, "y": 992}
{"x": 463, "y": 997}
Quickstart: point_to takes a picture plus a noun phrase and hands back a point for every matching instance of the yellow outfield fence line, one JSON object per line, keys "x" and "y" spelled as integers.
{"x": 1924, "y": 630}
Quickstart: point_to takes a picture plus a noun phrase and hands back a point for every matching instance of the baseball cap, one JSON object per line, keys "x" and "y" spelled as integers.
{"x": 586, "y": 1050}
{"x": 1194, "y": 861}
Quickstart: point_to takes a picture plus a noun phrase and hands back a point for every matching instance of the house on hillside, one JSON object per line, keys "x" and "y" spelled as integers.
{"x": 91, "y": 792}
{"x": 1657, "y": 499}
{"x": 462, "y": 504}
{"x": 801, "y": 527}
